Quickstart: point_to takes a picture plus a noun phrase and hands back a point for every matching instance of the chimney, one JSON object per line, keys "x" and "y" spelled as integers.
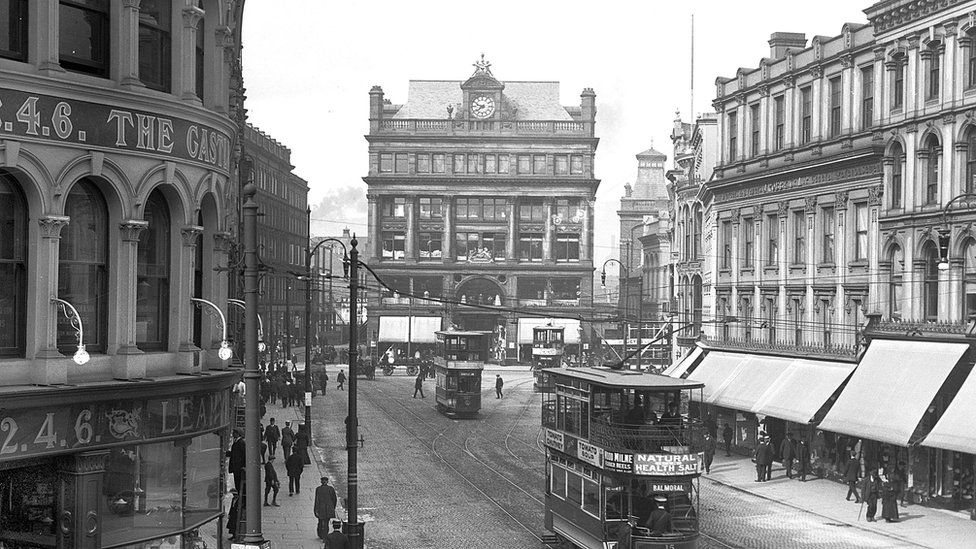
{"x": 588, "y": 109}
{"x": 345, "y": 232}
{"x": 375, "y": 108}
{"x": 781, "y": 42}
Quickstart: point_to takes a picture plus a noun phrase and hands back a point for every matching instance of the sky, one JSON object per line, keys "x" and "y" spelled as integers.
{"x": 309, "y": 66}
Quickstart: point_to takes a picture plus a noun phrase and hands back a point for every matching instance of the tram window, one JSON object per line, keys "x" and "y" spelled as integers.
{"x": 558, "y": 487}
{"x": 468, "y": 384}
{"x": 574, "y": 487}
{"x": 591, "y": 497}
{"x": 451, "y": 382}
{"x": 618, "y": 501}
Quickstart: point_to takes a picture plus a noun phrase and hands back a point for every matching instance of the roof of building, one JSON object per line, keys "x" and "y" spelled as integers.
{"x": 534, "y": 100}
{"x": 652, "y": 152}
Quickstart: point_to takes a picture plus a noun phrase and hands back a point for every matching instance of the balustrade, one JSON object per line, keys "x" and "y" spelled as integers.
{"x": 455, "y": 126}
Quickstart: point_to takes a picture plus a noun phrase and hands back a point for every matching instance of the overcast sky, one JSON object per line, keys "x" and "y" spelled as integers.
{"x": 309, "y": 65}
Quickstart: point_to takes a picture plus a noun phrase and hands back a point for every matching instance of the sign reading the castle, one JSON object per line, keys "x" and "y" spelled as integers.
{"x": 52, "y": 118}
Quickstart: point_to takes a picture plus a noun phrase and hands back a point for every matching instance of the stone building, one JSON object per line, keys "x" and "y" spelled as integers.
{"x": 118, "y": 199}
{"x": 480, "y": 212}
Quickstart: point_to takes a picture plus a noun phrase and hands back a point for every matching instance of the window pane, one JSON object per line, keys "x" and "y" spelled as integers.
{"x": 558, "y": 482}
{"x": 401, "y": 164}
{"x": 503, "y": 163}
{"x": 562, "y": 164}
{"x": 576, "y": 166}
{"x": 386, "y": 163}
{"x": 83, "y": 268}
{"x": 490, "y": 166}
{"x": 202, "y": 475}
{"x": 524, "y": 164}
{"x": 439, "y": 163}
{"x": 538, "y": 164}
{"x": 423, "y": 163}
{"x": 13, "y": 267}
{"x": 152, "y": 288}
{"x": 139, "y": 480}
{"x": 84, "y": 37}
{"x": 13, "y": 29}
{"x": 154, "y": 43}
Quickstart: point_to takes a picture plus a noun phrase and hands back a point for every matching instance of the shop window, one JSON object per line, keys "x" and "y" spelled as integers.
{"x": 28, "y": 503}
{"x": 530, "y": 247}
{"x": 429, "y": 286}
{"x": 155, "y": 50}
{"x": 567, "y": 247}
{"x": 83, "y": 41}
{"x": 13, "y": 29}
{"x": 532, "y": 288}
{"x": 152, "y": 287}
{"x": 203, "y": 493}
{"x": 13, "y": 267}
{"x": 565, "y": 289}
{"x": 83, "y": 267}
{"x": 430, "y": 245}
{"x": 394, "y": 244}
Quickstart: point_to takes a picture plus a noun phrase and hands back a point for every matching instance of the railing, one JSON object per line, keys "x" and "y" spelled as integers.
{"x": 528, "y": 127}
{"x": 647, "y": 439}
{"x": 755, "y": 344}
{"x": 922, "y": 327}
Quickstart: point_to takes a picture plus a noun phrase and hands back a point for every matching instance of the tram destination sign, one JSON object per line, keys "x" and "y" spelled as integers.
{"x": 589, "y": 453}
{"x": 666, "y": 465}
{"x": 616, "y": 461}
{"x": 554, "y": 439}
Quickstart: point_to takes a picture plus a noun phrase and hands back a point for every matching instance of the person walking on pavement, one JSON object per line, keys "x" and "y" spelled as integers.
{"x": 237, "y": 459}
{"x": 499, "y": 383}
{"x": 287, "y": 439}
{"x": 852, "y": 473}
{"x": 889, "y": 497}
{"x": 271, "y": 483}
{"x": 769, "y": 458}
{"x": 761, "y": 455}
{"x": 418, "y": 385}
{"x": 336, "y": 539}
{"x": 302, "y": 442}
{"x": 324, "y": 381}
{"x": 340, "y": 379}
{"x": 325, "y": 504}
{"x": 870, "y": 491}
{"x": 727, "y": 434}
{"x": 272, "y": 434}
{"x": 294, "y": 465}
{"x": 709, "y": 448}
{"x": 787, "y": 452}
{"x": 802, "y": 460}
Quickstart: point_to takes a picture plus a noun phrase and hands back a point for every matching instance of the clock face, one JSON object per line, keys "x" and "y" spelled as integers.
{"x": 482, "y": 106}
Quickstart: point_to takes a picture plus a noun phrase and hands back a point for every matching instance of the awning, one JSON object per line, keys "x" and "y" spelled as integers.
{"x": 803, "y": 389}
{"x": 395, "y": 329}
{"x": 891, "y": 389}
{"x": 570, "y": 334}
{"x": 954, "y": 430}
{"x": 754, "y": 376}
{"x": 716, "y": 371}
{"x": 680, "y": 367}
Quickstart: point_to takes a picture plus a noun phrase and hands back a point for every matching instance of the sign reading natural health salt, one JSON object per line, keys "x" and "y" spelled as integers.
{"x": 666, "y": 465}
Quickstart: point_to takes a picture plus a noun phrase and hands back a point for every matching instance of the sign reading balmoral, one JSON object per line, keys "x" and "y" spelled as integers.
{"x": 35, "y": 116}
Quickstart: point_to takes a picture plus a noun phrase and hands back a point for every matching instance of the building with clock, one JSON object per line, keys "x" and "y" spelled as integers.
{"x": 480, "y": 212}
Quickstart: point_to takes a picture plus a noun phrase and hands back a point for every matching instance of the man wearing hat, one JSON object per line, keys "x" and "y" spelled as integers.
{"x": 336, "y": 539}
{"x": 660, "y": 520}
{"x": 761, "y": 456}
{"x": 325, "y": 504}
{"x": 237, "y": 459}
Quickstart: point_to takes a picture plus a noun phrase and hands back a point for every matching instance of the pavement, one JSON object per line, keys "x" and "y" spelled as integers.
{"x": 824, "y": 499}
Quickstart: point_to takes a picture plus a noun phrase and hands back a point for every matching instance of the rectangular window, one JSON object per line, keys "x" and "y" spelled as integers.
{"x": 503, "y": 163}
{"x": 726, "y": 244}
{"x": 13, "y": 29}
{"x": 491, "y": 165}
{"x": 867, "y": 97}
{"x": 155, "y": 57}
{"x": 495, "y": 209}
{"x": 898, "y": 86}
{"x": 394, "y": 244}
{"x": 524, "y": 164}
{"x": 530, "y": 247}
{"x": 469, "y": 208}
{"x": 828, "y": 235}
{"x": 755, "y": 126}
{"x": 748, "y": 236}
{"x": 836, "y": 100}
{"x": 806, "y": 111}
{"x": 861, "y": 232}
{"x": 772, "y": 240}
{"x": 84, "y": 36}
{"x": 429, "y": 286}
{"x": 799, "y": 237}
{"x": 386, "y": 163}
{"x": 562, "y": 164}
{"x": 567, "y": 247}
{"x": 531, "y": 288}
{"x": 401, "y": 164}
{"x": 825, "y": 321}
{"x": 474, "y": 163}
{"x": 458, "y": 163}
{"x": 565, "y": 289}
{"x": 494, "y": 244}
{"x": 431, "y": 208}
{"x": 531, "y": 210}
{"x": 576, "y": 164}
{"x": 423, "y": 163}
{"x": 897, "y": 167}
{"x": 935, "y": 74}
{"x": 539, "y": 164}
{"x": 439, "y": 165}
{"x": 971, "y": 65}
{"x": 558, "y": 482}
{"x": 394, "y": 207}
{"x": 780, "y": 107}
{"x": 567, "y": 209}
{"x": 733, "y": 136}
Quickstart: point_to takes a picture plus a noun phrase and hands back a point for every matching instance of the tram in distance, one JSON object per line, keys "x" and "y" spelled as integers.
{"x": 548, "y": 346}
{"x": 623, "y": 460}
{"x": 460, "y": 359}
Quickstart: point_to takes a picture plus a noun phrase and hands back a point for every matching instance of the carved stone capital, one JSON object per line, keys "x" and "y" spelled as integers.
{"x": 875, "y": 195}
{"x": 810, "y": 205}
{"x": 225, "y": 36}
{"x": 950, "y": 28}
{"x": 132, "y": 228}
{"x": 816, "y": 71}
{"x": 783, "y": 208}
{"x": 192, "y": 16}
{"x": 840, "y": 199}
{"x": 846, "y": 61}
{"x": 190, "y": 234}
{"x": 131, "y": 4}
{"x": 736, "y": 215}
{"x": 51, "y": 225}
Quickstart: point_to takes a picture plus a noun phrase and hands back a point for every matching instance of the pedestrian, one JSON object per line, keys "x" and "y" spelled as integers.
{"x": 301, "y": 443}
{"x": 272, "y": 434}
{"x": 325, "y": 507}
{"x": 727, "y": 434}
{"x": 768, "y": 465}
{"x": 237, "y": 459}
{"x": 709, "y": 448}
{"x": 760, "y": 455}
{"x": 852, "y": 473}
{"x": 870, "y": 491}
{"x": 787, "y": 451}
{"x": 340, "y": 379}
{"x": 418, "y": 386}
{"x": 499, "y": 383}
{"x": 711, "y": 425}
{"x": 336, "y": 539}
{"x": 271, "y": 483}
{"x": 802, "y": 460}
{"x": 324, "y": 380}
{"x": 901, "y": 476}
{"x": 294, "y": 467}
{"x": 234, "y": 514}
{"x": 296, "y": 393}
{"x": 287, "y": 439}
{"x": 889, "y": 497}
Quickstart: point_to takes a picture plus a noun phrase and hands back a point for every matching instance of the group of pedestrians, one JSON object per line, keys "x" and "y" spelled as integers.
{"x": 879, "y": 483}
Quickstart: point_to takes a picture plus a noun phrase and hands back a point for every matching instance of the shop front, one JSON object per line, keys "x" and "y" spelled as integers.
{"x": 99, "y": 471}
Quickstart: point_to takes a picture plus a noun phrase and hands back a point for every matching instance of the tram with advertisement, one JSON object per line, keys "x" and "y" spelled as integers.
{"x": 458, "y": 365}
{"x": 623, "y": 460}
{"x": 548, "y": 345}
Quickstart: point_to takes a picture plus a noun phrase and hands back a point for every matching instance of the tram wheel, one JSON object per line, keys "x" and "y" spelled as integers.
{"x": 411, "y": 370}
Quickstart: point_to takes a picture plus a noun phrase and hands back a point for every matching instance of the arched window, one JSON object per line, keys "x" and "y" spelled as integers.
{"x": 198, "y": 285}
{"x": 896, "y": 293}
{"x": 13, "y": 267}
{"x": 930, "y": 282}
{"x": 152, "y": 291}
{"x": 933, "y": 160}
{"x": 686, "y": 229}
{"x": 969, "y": 279}
{"x": 970, "y": 183}
{"x": 697, "y": 236}
{"x": 199, "y": 57}
{"x": 696, "y": 304}
{"x": 83, "y": 267}
{"x": 897, "y": 178}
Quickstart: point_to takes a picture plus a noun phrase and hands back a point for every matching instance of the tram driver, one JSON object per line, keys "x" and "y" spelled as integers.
{"x": 659, "y": 522}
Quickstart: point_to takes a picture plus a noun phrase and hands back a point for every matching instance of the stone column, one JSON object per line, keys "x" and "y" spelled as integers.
{"x": 192, "y": 16}
{"x": 585, "y": 253}
{"x": 410, "y": 246}
{"x": 817, "y": 120}
{"x": 882, "y": 102}
{"x": 447, "y": 243}
{"x": 374, "y": 250}
{"x": 219, "y": 72}
{"x": 188, "y": 361}
{"x": 548, "y": 231}
{"x": 50, "y": 366}
{"x": 510, "y": 252}
{"x": 129, "y": 362}
{"x": 79, "y": 524}
{"x": 46, "y": 13}
{"x": 128, "y": 40}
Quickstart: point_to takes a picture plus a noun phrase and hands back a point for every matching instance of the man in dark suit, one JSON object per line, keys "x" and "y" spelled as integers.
{"x": 787, "y": 451}
{"x": 272, "y": 434}
{"x": 237, "y": 459}
{"x": 762, "y": 454}
{"x": 336, "y": 539}
{"x": 325, "y": 504}
{"x": 271, "y": 483}
{"x": 660, "y": 520}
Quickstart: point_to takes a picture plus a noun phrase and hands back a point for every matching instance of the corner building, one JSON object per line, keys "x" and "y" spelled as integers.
{"x": 118, "y": 195}
{"x": 480, "y": 207}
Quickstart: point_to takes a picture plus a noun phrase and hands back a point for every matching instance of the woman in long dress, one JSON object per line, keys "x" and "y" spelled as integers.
{"x": 889, "y": 497}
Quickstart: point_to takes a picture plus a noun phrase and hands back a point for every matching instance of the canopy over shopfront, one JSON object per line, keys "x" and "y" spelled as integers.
{"x": 680, "y": 367}
{"x": 571, "y": 334}
{"x": 891, "y": 389}
{"x": 415, "y": 329}
{"x": 954, "y": 430}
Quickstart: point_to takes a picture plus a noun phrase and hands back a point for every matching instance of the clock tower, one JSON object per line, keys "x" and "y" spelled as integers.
{"x": 482, "y": 94}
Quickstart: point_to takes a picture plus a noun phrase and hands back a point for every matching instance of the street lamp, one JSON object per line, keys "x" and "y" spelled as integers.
{"x": 240, "y": 303}
{"x": 603, "y": 284}
{"x": 81, "y": 356}
{"x": 224, "y": 353}
{"x": 945, "y": 232}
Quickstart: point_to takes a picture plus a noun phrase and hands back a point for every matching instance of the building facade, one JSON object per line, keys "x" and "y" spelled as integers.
{"x": 118, "y": 193}
{"x": 282, "y": 239}
{"x": 480, "y": 212}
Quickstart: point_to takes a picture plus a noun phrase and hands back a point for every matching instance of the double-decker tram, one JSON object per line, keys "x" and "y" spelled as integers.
{"x": 548, "y": 346}
{"x": 622, "y": 459}
{"x": 458, "y": 366}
